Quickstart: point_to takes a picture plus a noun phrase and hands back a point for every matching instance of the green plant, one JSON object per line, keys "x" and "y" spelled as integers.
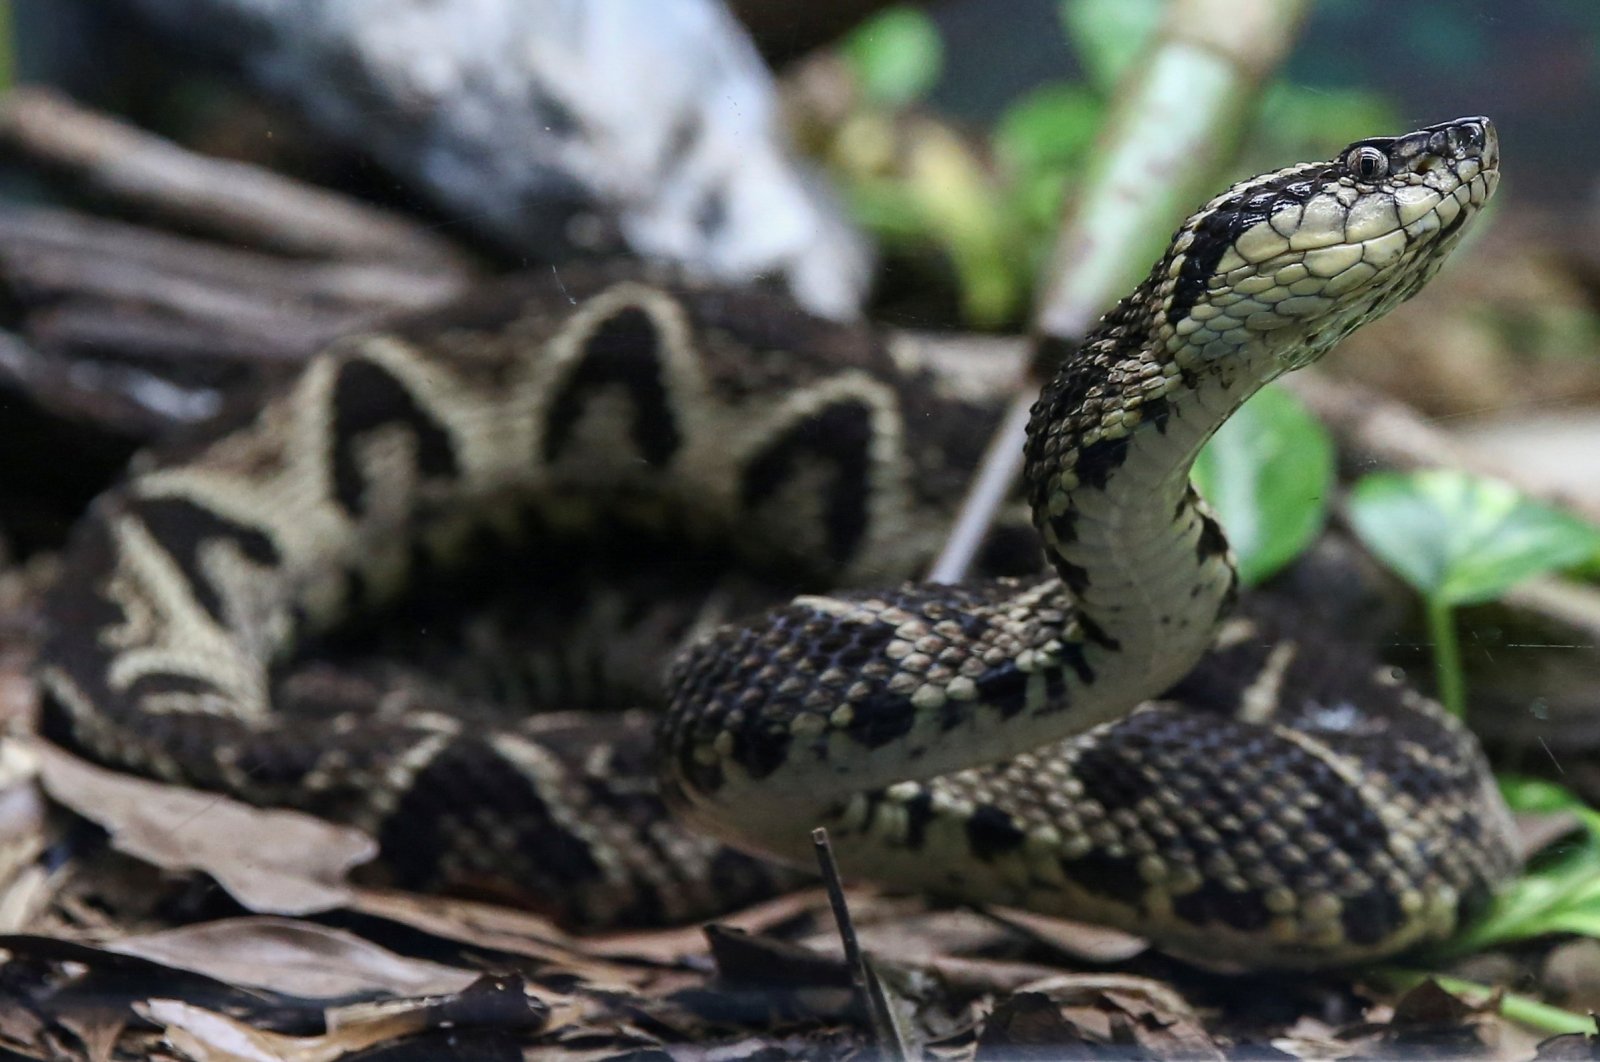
{"x": 896, "y": 56}
{"x": 1558, "y": 893}
{"x": 993, "y": 215}
{"x": 1458, "y": 540}
{"x": 1268, "y": 475}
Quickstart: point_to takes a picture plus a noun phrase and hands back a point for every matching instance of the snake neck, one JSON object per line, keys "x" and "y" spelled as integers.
{"x": 1111, "y": 442}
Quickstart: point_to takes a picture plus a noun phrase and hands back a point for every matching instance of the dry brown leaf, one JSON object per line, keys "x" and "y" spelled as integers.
{"x": 1090, "y": 1012}
{"x": 1078, "y": 940}
{"x": 973, "y": 977}
{"x": 295, "y": 958}
{"x": 501, "y": 1004}
{"x": 916, "y": 937}
{"x": 20, "y": 1026}
{"x": 23, "y": 837}
{"x": 505, "y": 1003}
{"x": 271, "y": 861}
{"x": 206, "y": 1036}
{"x": 1311, "y": 1038}
{"x": 672, "y": 946}
{"x": 750, "y": 958}
{"x": 97, "y": 1028}
{"x": 1569, "y": 1047}
{"x": 499, "y": 929}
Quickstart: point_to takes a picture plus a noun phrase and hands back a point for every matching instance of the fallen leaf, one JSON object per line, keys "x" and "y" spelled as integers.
{"x": 207, "y": 1036}
{"x": 1090, "y": 1012}
{"x": 751, "y": 959}
{"x": 688, "y": 942}
{"x": 972, "y": 977}
{"x": 1569, "y": 1047}
{"x": 97, "y": 1028}
{"x": 293, "y": 958}
{"x": 501, "y": 929}
{"x": 24, "y": 835}
{"x": 489, "y": 1002}
{"x": 1075, "y": 940}
{"x": 271, "y": 861}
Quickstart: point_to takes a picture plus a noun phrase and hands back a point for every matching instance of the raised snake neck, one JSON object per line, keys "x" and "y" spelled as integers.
{"x": 815, "y": 713}
{"x": 1281, "y": 832}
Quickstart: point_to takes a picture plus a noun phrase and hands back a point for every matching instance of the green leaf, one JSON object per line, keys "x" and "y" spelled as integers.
{"x": 1560, "y": 890}
{"x": 1108, "y": 34}
{"x": 1460, "y": 539}
{"x": 897, "y": 56}
{"x": 1051, "y": 127}
{"x": 1268, "y": 473}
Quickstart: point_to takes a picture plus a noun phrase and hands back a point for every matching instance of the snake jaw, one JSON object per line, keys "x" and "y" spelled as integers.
{"x": 1287, "y": 264}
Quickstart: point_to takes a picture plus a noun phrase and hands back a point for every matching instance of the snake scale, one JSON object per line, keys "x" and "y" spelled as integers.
{"x": 1102, "y": 738}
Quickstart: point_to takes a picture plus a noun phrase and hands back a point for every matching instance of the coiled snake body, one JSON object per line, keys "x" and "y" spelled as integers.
{"x": 995, "y": 741}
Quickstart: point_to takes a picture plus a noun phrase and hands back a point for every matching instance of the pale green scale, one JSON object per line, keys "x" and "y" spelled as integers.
{"x": 1372, "y": 216}
{"x": 1381, "y": 252}
{"x": 1321, "y": 225}
{"x": 1331, "y": 261}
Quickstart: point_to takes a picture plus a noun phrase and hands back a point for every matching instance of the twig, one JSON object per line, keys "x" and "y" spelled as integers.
{"x": 48, "y": 253}
{"x": 242, "y": 203}
{"x": 987, "y": 492}
{"x": 869, "y": 990}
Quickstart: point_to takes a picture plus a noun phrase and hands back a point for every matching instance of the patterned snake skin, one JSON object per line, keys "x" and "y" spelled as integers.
{"x": 645, "y": 460}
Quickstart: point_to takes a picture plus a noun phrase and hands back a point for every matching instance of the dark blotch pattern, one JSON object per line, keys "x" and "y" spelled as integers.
{"x": 623, "y": 351}
{"x": 1222, "y": 227}
{"x": 1099, "y": 459}
{"x": 1212, "y": 904}
{"x": 366, "y": 396}
{"x": 463, "y": 775}
{"x": 1212, "y": 542}
{"x": 991, "y": 832}
{"x": 840, "y": 436}
{"x": 184, "y": 529}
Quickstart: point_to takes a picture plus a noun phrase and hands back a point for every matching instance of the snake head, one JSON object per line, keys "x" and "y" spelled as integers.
{"x": 1290, "y": 262}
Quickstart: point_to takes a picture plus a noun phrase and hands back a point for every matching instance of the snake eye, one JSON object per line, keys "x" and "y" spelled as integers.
{"x": 1367, "y": 163}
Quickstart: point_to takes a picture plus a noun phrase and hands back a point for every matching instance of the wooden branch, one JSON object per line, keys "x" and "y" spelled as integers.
{"x": 237, "y": 202}
{"x": 47, "y": 253}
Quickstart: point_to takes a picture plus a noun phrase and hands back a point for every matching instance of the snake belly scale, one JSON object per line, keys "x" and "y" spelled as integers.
{"x": 1108, "y": 741}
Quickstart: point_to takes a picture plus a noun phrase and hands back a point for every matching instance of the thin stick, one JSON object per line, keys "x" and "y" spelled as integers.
{"x": 1002, "y": 462}
{"x": 841, "y": 910}
{"x": 869, "y": 992}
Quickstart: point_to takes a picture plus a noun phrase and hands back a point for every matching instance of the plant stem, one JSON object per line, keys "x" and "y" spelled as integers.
{"x": 1524, "y": 1010}
{"x": 1447, "y": 657}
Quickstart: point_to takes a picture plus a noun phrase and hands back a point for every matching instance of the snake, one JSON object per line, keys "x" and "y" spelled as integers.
{"x": 709, "y": 509}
